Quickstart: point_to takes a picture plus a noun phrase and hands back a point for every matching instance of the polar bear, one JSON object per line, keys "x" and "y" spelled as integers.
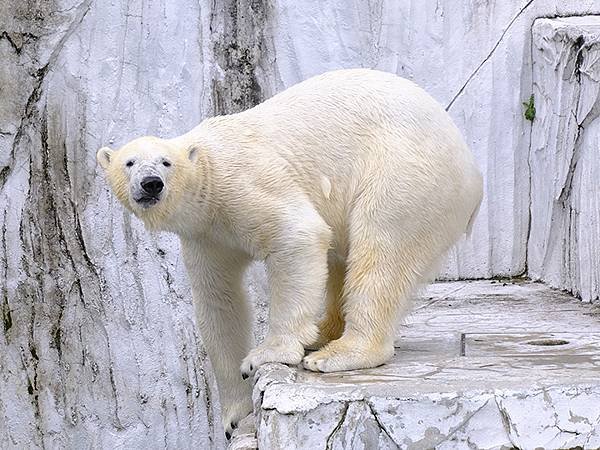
{"x": 350, "y": 186}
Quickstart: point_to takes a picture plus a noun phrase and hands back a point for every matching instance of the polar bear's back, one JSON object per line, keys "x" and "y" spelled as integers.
{"x": 369, "y": 96}
{"x": 361, "y": 91}
{"x": 358, "y": 125}
{"x": 351, "y": 109}
{"x": 351, "y": 134}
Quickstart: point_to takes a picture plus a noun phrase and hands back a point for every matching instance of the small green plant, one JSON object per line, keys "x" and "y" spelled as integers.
{"x": 529, "y": 109}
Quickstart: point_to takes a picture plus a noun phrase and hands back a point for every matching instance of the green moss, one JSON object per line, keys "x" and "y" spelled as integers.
{"x": 529, "y": 109}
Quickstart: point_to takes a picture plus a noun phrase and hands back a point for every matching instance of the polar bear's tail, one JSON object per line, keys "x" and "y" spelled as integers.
{"x": 473, "y": 217}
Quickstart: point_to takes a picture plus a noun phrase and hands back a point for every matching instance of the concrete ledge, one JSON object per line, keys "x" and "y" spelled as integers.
{"x": 477, "y": 365}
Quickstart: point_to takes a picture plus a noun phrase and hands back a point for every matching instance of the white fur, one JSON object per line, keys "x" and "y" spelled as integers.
{"x": 350, "y": 186}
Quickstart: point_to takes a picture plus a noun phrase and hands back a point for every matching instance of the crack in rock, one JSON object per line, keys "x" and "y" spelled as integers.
{"x": 379, "y": 423}
{"x": 507, "y": 422}
{"x": 489, "y": 55}
{"x": 329, "y": 440}
{"x": 29, "y": 114}
{"x": 18, "y": 40}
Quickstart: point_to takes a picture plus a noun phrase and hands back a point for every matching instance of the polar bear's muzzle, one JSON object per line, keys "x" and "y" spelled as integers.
{"x": 148, "y": 191}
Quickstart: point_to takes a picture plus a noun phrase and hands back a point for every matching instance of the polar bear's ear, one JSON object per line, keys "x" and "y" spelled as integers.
{"x": 193, "y": 152}
{"x": 104, "y": 156}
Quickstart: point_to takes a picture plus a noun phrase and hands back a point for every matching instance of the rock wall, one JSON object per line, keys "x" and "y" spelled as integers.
{"x": 97, "y": 341}
{"x": 98, "y": 345}
{"x": 564, "y": 241}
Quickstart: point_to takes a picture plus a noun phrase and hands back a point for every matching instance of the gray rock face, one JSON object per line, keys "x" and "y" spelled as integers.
{"x": 98, "y": 345}
{"x": 565, "y": 201}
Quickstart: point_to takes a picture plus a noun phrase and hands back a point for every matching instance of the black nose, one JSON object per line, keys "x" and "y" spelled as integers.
{"x": 152, "y": 185}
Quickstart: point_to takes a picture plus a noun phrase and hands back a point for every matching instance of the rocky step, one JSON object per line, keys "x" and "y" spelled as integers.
{"x": 478, "y": 365}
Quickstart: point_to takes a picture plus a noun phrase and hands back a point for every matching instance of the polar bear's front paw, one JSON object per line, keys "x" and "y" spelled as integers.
{"x": 281, "y": 349}
{"x": 346, "y": 354}
{"x": 232, "y": 414}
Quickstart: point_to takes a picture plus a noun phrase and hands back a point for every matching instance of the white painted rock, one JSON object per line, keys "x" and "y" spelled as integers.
{"x": 478, "y": 365}
{"x": 564, "y": 241}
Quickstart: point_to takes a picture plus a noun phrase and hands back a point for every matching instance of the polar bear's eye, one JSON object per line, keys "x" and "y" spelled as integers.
{"x": 166, "y": 164}
{"x": 129, "y": 163}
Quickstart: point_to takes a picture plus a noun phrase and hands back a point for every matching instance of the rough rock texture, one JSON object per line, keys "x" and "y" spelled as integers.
{"x": 564, "y": 241}
{"x": 97, "y": 339}
{"x": 98, "y": 344}
{"x": 478, "y": 365}
{"x": 240, "y": 35}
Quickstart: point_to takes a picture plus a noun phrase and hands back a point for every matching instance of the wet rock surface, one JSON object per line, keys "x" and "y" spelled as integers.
{"x": 477, "y": 365}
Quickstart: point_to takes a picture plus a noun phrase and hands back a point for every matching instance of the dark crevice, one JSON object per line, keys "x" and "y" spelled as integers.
{"x": 17, "y": 40}
{"x": 328, "y": 442}
{"x": 3, "y": 176}
{"x": 207, "y": 397}
{"x": 118, "y": 425}
{"x": 26, "y": 120}
{"x": 565, "y": 16}
{"x": 77, "y": 224}
{"x": 525, "y": 271}
{"x": 6, "y": 315}
{"x": 577, "y": 49}
{"x": 565, "y": 193}
{"x": 56, "y": 333}
{"x": 508, "y": 427}
{"x": 6, "y": 312}
{"x": 30, "y": 364}
{"x": 381, "y": 426}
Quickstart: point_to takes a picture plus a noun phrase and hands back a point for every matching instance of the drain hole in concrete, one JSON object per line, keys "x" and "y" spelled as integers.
{"x": 548, "y": 342}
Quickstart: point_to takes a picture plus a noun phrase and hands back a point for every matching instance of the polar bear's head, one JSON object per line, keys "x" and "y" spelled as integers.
{"x": 149, "y": 176}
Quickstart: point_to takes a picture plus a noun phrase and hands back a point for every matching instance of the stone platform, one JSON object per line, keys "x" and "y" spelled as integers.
{"x": 484, "y": 364}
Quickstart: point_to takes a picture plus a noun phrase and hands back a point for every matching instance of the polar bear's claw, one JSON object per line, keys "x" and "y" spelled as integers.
{"x": 233, "y": 414}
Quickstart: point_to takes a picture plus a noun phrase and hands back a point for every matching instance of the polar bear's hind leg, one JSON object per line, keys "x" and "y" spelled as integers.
{"x": 331, "y": 325}
{"x": 383, "y": 270}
